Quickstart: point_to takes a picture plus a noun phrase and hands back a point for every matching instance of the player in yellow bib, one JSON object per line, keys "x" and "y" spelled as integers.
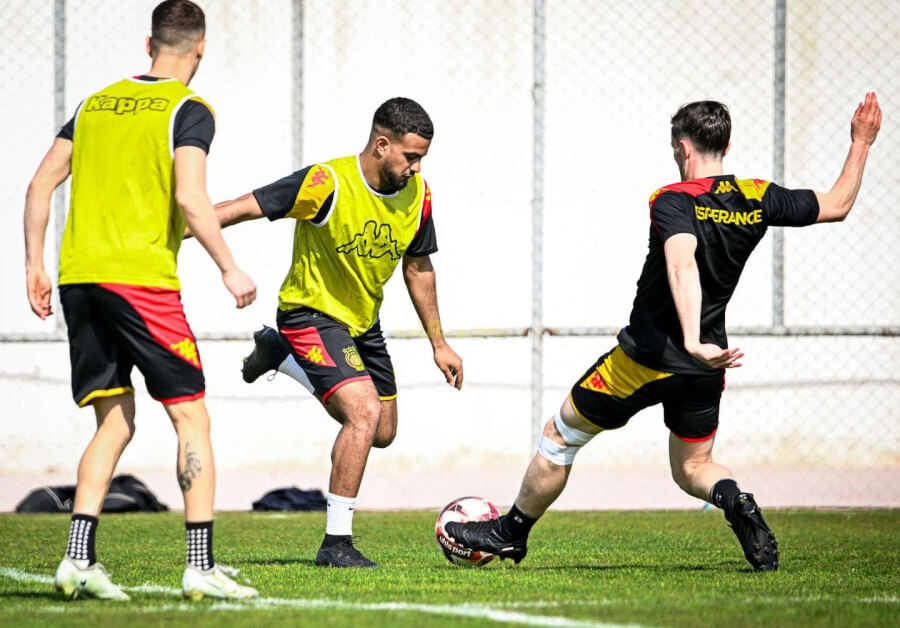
{"x": 357, "y": 218}
{"x": 137, "y": 154}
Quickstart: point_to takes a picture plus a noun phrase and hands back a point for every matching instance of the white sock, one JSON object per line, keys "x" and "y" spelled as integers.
{"x": 339, "y": 519}
{"x": 292, "y": 369}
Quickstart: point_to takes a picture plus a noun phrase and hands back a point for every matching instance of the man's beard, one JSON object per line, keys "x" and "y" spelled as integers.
{"x": 394, "y": 182}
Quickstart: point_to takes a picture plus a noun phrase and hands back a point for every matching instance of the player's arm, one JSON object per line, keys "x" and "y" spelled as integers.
{"x": 190, "y": 193}
{"x": 837, "y": 203}
{"x": 54, "y": 169}
{"x": 302, "y": 195}
{"x": 418, "y": 273}
{"x": 232, "y": 212}
{"x": 684, "y": 282}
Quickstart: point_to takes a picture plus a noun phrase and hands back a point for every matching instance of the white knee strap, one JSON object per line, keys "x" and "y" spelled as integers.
{"x": 571, "y": 435}
{"x": 559, "y": 454}
{"x": 556, "y": 453}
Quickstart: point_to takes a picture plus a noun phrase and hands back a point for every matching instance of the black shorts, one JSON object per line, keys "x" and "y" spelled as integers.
{"x": 115, "y": 327}
{"x": 617, "y": 387}
{"x": 332, "y": 358}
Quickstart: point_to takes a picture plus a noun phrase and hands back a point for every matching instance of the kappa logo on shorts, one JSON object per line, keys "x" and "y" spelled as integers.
{"x": 187, "y": 349}
{"x": 315, "y": 356}
{"x": 596, "y": 383}
{"x": 353, "y": 358}
{"x": 375, "y": 241}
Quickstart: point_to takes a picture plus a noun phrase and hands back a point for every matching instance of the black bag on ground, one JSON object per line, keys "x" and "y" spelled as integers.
{"x": 290, "y": 499}
{"x": 126, "y": 494}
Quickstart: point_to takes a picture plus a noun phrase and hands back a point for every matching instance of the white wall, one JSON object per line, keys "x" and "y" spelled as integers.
{"x": 614, "y": 75}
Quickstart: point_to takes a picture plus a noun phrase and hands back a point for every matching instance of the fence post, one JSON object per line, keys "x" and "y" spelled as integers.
{"x": 297, "y": 83}
{"x": 778, "y": 161}
{"x": 60, "y": 195}
{"x": 537, "y": 227}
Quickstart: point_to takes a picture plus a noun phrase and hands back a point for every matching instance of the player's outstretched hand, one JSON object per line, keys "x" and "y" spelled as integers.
{"x": 715, "y": 356}
{"x": 450, "y": 365}
{"x": 240, "y": 286}
{"x": 39, "y": 287}
{"x": 866, "y": 121}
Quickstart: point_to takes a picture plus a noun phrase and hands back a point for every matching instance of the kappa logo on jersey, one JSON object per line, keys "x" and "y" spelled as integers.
{"x": 375, "y": 241}
{"x": 315, "y": 356}
{"x": 122, "y": 105}
{"x": 596, "y": 383}
{"x": 725, "y": 186}
{"x": 318, "y": 178}
{"x": 187, "y": 350}
{"x": 353, "y": 358}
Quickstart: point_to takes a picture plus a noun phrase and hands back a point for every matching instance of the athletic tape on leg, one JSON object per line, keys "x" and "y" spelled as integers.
{"x": 571, "y": 435}
{"x": 556, "y": 453}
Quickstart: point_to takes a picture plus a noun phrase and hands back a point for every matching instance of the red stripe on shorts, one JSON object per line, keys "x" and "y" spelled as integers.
{"x": 163, "y": 313}
{"x": 697, "y": 440}
{"x": 308, "y": 344}
{"x": 181, "y": 399}
{"x": 339, "y": 384}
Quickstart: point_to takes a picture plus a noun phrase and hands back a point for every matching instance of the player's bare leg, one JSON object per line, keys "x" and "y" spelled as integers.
{"x": 79, "y": 574}
{"x": 695, "y": 472}
{"x": 196, "y": 472}
{"x": 387, "y": 425}
{"x": 115, "y": 427}
{"x": 693, "y": 468}
{"x": 544, "y": 481}
{"x": 195, "y": 467}
{"x": 357, "y": 407}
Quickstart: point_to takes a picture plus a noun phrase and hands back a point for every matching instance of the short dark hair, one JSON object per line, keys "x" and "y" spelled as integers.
{"x": 400, "y": 116}
{"x": 176, "y": 24}
{"x": 706, "y": 123}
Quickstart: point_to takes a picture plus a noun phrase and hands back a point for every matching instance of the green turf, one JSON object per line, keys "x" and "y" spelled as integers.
{"x": 838, "y": 568}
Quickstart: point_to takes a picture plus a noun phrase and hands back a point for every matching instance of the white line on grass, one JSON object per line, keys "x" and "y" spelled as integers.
{"x": 479, "y": 611}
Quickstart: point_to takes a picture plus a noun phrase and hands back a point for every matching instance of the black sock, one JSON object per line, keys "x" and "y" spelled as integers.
{"x": 82, "y": 537}
{"x": 516, "y": 524}
{"x": 335, "y": 539}
{"x": 199, "y": 537}
{"x": 723, "y": 492}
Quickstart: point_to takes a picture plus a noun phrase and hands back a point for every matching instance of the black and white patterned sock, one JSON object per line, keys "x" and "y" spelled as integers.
{"x": 82, "y": 538}
{"x": 200, "y": 545}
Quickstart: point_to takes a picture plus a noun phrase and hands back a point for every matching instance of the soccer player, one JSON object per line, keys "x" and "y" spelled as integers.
{"x": 675, "y": 350}
{"x": 137, "y": 154}
{"x": 356, "y": 218}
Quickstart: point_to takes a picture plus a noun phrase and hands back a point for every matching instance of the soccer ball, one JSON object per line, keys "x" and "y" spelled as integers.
{"x": 464, "y": 509}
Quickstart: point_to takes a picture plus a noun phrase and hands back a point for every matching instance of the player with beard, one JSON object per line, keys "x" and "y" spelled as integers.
{"x": 356, "y": 218}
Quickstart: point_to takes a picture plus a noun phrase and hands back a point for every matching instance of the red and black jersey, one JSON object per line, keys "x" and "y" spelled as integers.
{"x": 729, "y": 217}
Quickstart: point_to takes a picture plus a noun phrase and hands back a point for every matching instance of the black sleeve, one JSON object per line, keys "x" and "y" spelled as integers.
{"x": 425, "y": 242}
{"x": 672, "y": 213}
{"x": 67, "y": 132}
{"x": 194, "y": 125}
{"x": 277, "y": 199}
{"x": 790, "y": 208}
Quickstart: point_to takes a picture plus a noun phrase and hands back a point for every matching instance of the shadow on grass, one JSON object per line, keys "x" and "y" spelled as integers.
{"x": 33, "y": 595}
{"x": 706, "y": 567}
{"x": 300, "y": 562}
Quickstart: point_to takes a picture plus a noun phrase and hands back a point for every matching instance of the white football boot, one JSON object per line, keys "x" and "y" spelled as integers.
{"x": 214, "y": 583}
{"x": 91, "y": 582}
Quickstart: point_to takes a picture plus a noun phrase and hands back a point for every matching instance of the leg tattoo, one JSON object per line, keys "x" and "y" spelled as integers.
{"x": 191, "y": 468}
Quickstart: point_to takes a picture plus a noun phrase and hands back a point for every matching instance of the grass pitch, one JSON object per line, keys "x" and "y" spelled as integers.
{"x": 838, "y": 568}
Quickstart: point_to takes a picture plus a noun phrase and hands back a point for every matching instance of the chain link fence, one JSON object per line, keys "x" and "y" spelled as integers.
{"x": 552, "y": 130}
